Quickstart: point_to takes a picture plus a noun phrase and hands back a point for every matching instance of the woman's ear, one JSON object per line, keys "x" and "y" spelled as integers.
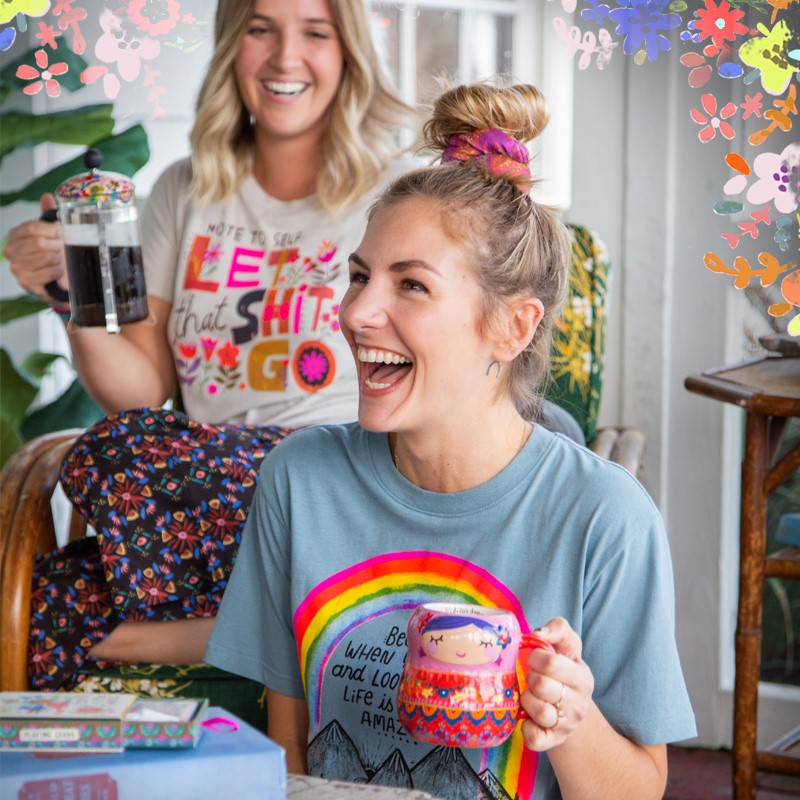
{"x": 519, "y": 323}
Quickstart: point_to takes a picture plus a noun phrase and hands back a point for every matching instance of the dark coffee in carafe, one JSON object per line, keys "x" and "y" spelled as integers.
{"x": 102, "y": 247}
{"x": 86, "y": 286}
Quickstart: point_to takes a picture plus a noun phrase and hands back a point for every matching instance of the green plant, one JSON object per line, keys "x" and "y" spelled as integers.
{"x": 125, "y": 152}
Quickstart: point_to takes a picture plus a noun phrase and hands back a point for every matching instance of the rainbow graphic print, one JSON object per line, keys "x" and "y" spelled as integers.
{"x": 379, "y": 590}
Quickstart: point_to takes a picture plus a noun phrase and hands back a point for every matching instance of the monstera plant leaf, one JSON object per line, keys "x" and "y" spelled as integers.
{"x": 72, "y": 409}
{"x": 12, "y": 308}
{"x": 125, "y": 152}
{"x": 75, "y": 126}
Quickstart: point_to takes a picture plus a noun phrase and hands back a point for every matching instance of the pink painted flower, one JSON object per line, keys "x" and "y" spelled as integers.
{"x": 47, "y": 35}
{"x": 154, "y": 16}
{"x": 751, "y": 105}
{"x": 118, "y": 45}
{"x": 42, "y": 76}
{"x": 711, "y": 120}
{"x": 777, "y": 179}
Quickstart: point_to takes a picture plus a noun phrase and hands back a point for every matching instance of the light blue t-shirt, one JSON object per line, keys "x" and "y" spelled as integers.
{"x": 339, "y": 548}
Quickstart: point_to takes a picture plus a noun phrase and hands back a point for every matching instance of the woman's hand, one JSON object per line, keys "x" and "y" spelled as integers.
{"x": 560, "y": 686}
{"x": 35, "y": 250}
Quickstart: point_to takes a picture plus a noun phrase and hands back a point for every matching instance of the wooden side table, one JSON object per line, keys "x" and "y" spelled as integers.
{"x": 768, "y": 389}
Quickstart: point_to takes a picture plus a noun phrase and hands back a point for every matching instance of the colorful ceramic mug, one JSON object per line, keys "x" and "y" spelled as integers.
{"x": 460, "y": 684}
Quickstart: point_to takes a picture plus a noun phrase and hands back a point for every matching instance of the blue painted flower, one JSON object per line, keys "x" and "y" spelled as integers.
{"x": 640, "y": 22}
{"x": 597, "y": 13}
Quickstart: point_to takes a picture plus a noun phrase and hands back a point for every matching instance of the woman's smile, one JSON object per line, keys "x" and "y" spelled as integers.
{"x": 381, "y": 369}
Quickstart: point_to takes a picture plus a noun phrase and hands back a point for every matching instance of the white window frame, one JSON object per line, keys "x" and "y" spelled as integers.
{"x": 538, "y": 58}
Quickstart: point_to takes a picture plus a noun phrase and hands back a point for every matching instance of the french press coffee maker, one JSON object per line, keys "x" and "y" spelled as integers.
{"x": 101, "y": 240}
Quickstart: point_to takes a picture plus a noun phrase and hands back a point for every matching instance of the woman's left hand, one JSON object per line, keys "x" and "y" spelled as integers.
{"x": 560, "y": 686}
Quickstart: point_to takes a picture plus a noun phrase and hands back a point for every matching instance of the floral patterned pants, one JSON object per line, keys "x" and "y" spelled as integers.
{"x": 167, "y": 498}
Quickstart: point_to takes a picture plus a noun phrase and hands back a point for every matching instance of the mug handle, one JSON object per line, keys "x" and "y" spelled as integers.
{"x": 52, "y": 288}
{"x": 531, "y": 641}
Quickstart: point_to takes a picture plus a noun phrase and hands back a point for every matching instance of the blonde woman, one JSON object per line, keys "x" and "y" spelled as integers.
{"x": 443, "y": 491}
{"x": 245, "y": 246}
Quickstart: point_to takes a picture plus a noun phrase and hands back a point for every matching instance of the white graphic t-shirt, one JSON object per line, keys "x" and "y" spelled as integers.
{"x": 255, "y": 285}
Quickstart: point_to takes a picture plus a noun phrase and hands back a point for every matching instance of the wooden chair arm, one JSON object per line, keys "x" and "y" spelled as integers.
{"x": 624, "y": 446}
{"x": 27, "y": 483}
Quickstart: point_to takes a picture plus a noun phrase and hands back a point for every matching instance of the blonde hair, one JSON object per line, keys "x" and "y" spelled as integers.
{"x": 517, "y": 247}
{"x": 364, "y": 123}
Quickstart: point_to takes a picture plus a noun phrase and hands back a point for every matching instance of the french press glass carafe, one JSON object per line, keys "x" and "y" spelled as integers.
{"x": 104, "y": 255}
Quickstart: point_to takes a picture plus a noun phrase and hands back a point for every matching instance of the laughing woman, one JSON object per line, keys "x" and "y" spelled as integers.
{"x": 443, "y": 491}
{"x": 245, "y": 248}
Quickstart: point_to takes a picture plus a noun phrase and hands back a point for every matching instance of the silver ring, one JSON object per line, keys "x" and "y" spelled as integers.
{"x": 557, "y": 706}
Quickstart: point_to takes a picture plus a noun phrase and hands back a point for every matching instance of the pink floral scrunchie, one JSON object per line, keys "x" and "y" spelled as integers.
{"x": 491, "y": 148}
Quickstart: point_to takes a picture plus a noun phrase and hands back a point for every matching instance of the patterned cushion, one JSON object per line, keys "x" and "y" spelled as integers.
{"x": 577, "y": 362}
{"x": 241, "y": 696}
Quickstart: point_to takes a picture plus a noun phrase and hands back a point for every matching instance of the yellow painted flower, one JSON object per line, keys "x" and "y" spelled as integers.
{"x": 768, "y": 53}
{"x": 31, "y": 8}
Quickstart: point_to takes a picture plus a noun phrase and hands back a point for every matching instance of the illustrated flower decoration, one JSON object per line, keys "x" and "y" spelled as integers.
{"x": 154, "y": 17}
{"x": 423, "y": 620}
{"x": 597, "y": 12}
{"x": 43, "y": 76}
{"x": 503, "y": 637}
{"x": 751, "y": 105}
{"x": 118, "y": 45}
{"x": 326, "y": 251}
{"x": 47, "y": 35}
{"x": 790, "y": 289}
{"x": 208, "y": 345}
{"x": 719, "y": 23}
{"x": 777, "y": 179}
{"x": 187, "y": 350}
{"x": 213, "y": 254}
{"x": 711, "y": 120}
{"x": 228, "y": 355}
{"x": 641, "y": 22}
{"x": 31, "y": 8}
{"x": 768, "y": 54}
{"x": 700, "y": 72}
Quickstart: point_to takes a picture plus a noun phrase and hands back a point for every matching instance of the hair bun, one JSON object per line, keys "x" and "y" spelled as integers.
{"x": 519, "y": 110}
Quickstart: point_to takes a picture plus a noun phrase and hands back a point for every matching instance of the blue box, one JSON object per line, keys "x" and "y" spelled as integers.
{"x": 242, "y": 764}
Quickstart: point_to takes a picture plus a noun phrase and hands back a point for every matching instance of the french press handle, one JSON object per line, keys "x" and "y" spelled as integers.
{"x": 52, "y": 288}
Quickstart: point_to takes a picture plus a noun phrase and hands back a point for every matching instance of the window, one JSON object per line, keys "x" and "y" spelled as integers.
{"x": 468, "y": 40}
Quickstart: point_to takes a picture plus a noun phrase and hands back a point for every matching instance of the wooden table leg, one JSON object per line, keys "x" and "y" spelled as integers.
{"x": 752, "y": 547}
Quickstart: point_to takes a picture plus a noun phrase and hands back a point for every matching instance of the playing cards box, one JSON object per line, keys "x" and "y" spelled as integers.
{"x": 62, "y": 721}
{"x": 59, "y": 721}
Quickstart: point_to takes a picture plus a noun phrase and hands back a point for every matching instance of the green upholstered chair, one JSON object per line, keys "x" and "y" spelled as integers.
{"x": 578, "y": 353}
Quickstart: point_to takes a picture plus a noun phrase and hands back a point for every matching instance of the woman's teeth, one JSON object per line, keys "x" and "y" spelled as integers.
{"x": 380, "y": 357}
{"x": 284, "y": 88}
{"x": 371, "y": 356}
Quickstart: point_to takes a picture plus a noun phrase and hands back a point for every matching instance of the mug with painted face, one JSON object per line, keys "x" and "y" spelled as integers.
{"x": 460, "y": 685}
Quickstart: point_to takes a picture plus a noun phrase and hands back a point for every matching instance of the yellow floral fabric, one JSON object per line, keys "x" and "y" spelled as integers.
{"x": 577, "y": 361}
{"x": 241, "y": 696}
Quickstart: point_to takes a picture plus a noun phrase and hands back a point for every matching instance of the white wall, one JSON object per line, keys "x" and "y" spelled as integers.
{"x": 644, "y": 181}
